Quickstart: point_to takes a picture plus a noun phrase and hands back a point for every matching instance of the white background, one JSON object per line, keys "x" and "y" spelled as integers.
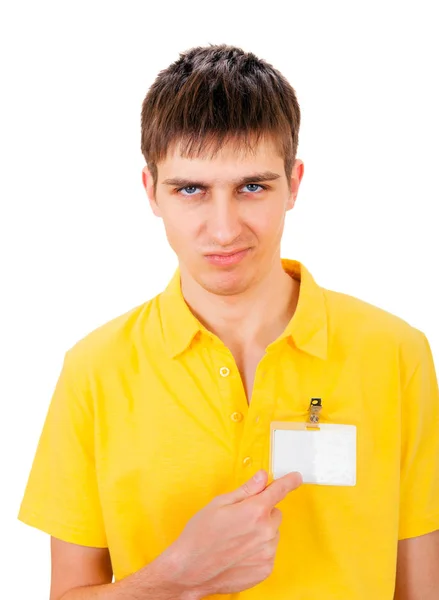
{"x": 79, "y": 245}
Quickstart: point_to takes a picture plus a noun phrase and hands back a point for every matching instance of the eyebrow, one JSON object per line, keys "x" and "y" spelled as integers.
{"x": 253, "y": 178}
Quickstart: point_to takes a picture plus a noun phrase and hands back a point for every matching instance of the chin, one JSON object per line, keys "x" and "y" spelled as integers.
{"x": 225, "y": 283}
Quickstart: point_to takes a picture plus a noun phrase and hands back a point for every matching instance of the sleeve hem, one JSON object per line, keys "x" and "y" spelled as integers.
{"x": 59, "y": 530}
{"x": 418, "y": 527}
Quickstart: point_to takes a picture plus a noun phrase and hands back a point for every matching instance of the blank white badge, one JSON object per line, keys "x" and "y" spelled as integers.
{"x": 324, "y": 456}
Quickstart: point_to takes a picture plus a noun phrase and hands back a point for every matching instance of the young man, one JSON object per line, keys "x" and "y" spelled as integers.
{"x": 161, "y": 417}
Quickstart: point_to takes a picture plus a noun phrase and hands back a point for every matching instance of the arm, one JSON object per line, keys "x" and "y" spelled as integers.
{"x": 62, "y": 499}
{"x": 417, "y": 576}
{"x": 85, "y": 573}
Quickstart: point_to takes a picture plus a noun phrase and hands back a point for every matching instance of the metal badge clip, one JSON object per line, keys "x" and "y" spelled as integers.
{"x": 315, "y": 408}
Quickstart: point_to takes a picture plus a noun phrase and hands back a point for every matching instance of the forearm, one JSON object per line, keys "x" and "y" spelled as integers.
{"x": 417, "y": 574}
{"x": 153, "y": 582}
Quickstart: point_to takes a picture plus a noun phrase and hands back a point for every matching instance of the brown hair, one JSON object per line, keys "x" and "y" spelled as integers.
{"x": 217, "y": 94}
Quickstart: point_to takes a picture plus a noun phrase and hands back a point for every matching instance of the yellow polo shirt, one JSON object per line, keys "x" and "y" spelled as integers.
{"x": 149, "y": 421}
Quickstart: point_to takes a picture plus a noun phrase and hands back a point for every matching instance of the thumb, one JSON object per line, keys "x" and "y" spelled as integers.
{"x": 253, "y": 486}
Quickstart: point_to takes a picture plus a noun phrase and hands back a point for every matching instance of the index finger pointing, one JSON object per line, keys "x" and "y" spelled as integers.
{"x": 280, "y": 488}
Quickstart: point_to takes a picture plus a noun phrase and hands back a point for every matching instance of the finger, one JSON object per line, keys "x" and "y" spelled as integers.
{"x": 248, "y": 489}
{"x": 280, "y": 488}
{"x": 276, "y": 518}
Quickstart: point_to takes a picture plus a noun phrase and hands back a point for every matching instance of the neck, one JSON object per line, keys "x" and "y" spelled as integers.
{"x": 254, "y": 318}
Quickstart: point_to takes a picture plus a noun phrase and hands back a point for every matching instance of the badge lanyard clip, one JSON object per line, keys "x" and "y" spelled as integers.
{"x": 314, "y": 410}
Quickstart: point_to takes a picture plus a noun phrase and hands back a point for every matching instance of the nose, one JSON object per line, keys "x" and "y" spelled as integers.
{"x": 224, "y": 222}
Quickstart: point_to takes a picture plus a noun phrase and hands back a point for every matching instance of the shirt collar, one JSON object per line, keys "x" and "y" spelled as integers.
{"x": 307, "y": 330}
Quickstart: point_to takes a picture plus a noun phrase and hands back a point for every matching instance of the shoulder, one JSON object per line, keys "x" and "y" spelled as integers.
{"x": 115, "y": 341}
{"x": 361, "y": 322}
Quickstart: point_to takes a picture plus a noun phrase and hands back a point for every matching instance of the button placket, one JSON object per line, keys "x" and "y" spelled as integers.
{"x": 256, "y": 431}
{"x": 228, "y": 380}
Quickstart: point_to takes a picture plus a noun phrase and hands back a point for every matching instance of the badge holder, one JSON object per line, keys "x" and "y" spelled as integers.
{"x": 324, "y": 453}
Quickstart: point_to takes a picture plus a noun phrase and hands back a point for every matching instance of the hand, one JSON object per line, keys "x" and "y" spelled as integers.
{"x": 230, "y": 544}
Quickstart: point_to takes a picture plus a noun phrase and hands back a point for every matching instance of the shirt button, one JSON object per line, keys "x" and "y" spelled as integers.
{"x": 236, "y": 416}
{"x": 247, "y": 461}
{"x": 224, "y": 372}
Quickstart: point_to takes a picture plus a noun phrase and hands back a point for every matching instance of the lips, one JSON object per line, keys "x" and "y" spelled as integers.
{"x": 226, "y": 253}
{"x": 229, "y": 258}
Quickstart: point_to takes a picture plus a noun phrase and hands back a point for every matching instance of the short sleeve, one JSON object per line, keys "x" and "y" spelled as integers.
{"x": 419, "y": 491}
{"x": 61, "y": 497}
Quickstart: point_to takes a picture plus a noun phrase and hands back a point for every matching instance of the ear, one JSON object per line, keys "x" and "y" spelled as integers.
{"x": 296, "y": 178}
{"x": 148, "y": 184}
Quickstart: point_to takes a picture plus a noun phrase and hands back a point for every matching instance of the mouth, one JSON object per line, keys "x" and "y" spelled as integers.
{"x": 227, "y": 258}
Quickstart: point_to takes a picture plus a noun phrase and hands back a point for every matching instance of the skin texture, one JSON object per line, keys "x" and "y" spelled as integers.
{"x": 249, "y": 304}
{"x": 222, "y": 218}
{"x": 230, "y": 545}
{"x": 74, "y": 565}
{"x": 418, "y": 568}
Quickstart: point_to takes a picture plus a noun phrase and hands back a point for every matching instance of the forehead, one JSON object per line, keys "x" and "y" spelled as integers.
{"x": 231, "y": 160}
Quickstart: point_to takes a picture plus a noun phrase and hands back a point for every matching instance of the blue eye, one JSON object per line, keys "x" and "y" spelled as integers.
{"x": 189, "y": 187}
{"x": 254, "y": 185}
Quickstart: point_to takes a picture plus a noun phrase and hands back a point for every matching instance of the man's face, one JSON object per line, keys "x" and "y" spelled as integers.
{"x": 211, "y": 214}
